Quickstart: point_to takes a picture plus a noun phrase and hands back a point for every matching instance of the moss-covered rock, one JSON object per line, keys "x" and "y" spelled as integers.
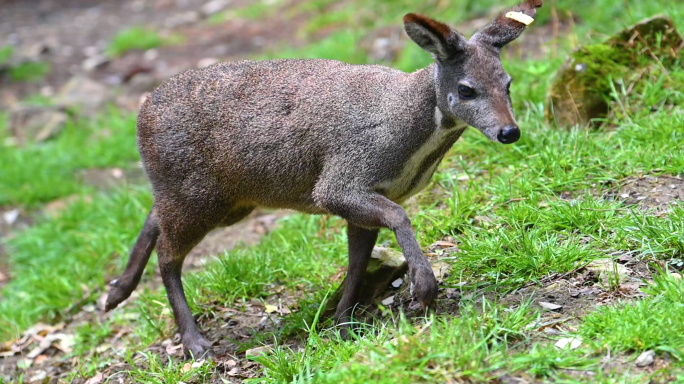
{"x": 581, "y": 90}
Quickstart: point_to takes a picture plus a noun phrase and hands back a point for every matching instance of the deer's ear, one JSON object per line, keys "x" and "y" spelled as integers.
{"x": 437, "y": 38}
{"x": 507, "y": 26}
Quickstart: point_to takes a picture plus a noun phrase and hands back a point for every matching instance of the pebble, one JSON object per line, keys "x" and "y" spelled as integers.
{"x": 645, "y": 359}
{"x": 388, "y": 301}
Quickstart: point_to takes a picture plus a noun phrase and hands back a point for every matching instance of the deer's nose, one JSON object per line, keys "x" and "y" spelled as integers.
{"x": 508, "y": 134}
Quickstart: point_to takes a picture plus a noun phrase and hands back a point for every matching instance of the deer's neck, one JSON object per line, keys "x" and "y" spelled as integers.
{"x": 433, "y": 133}
{"x": 423, "y": 85}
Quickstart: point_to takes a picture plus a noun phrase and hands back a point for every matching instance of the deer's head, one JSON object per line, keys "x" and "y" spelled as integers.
{"x": 470, "y": 80}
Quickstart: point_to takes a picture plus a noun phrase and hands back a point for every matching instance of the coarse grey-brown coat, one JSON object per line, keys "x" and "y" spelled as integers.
{"x": 318, "y": 136}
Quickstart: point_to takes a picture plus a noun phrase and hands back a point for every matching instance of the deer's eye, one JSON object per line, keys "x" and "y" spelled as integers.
{"x": 466, "y": 93}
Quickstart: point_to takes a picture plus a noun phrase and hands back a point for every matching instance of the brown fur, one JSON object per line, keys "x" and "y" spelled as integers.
{"x": 318, "y": 136}
{"x": 440, "y": 29}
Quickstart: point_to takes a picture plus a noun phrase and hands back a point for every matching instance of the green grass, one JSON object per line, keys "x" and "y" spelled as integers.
{"x": 483, "y": 342}
{"x": 473, "y": 344}
{"x": 38, "y": 173}
{"x": 52, "y": 261}
{"x": 533, "y": 234}
{"x": 29, "y": 71}
{"x": 342, "y": 46}
{"x": 652, "y": 323}
{"x": 6, "y": 53}
{"x": 134, "y": 38}
{"x": 258, "y": 10}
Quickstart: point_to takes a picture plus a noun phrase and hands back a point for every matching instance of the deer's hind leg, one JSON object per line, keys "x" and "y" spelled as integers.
{"x": 181, "y": 230}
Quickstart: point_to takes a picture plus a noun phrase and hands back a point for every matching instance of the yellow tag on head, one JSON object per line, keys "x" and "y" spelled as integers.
{"x": 520, "y": 17}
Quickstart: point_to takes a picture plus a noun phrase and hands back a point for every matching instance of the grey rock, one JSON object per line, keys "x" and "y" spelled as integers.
{"x": 181, "y": 19}
{"x": 388, "y": 301}
{"x": 28, "y": 123}
{"x": 441, "y": 270}
{"x": 141, "y": 83}
{"x": 645, "y": 359}
{"x": 11, "y": 216}
{"x": 572, "y": 98}
{"x": 94, "y": 62}
{"x": 550, "y": 306}
{"x": 214, "y": 6}
{"x": 84, "y": 95}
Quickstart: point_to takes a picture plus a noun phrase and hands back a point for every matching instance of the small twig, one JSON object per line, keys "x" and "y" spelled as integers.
{"x": 630, "y": 88}
{"x": 555, "y": 276}
{"x": 574, "y": 105}
{"x": 667, "y": 73}
{"x": 514, "y": 200}
{"x": 604, "y": 210}
{"x": 556, "y": 28}
{"x": 80, "y": 301}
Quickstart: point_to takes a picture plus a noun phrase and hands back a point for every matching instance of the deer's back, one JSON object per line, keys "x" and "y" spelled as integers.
{"x": 262, "y": 130}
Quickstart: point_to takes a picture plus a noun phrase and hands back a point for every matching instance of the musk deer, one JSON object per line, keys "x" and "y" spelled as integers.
{"x": 318, "y": 136}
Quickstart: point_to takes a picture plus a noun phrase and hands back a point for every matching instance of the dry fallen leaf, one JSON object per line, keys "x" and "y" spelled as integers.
{"x": 97, "y": 379}
{"x": 550, "y": 306}
{"x": 444, "y": 244}
{"x": 42, "y": 346}
{"x": 268, "y": 308}
{"x": 66, "y": 342}
{"x": 38, "y": 377}
{"x": 266, "y": 349}
{"x": 173, "y": 349}
{"x": 573, "y": 342}
{"x": 40, "y": 359}
{"x": 231, "y": 363}
{"x": 103, "y": 348}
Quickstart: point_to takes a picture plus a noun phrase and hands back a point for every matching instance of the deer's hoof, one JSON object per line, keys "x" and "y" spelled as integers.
{"x": 197, "y": 348}
{"x": 425, "y": 287}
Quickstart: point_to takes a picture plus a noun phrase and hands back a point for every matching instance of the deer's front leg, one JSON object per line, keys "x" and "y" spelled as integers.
{"x": 372, "y": 210}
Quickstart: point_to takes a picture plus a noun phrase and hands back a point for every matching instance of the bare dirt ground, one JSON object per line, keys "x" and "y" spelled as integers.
{"x": 68, "y": 33}
{"x": 652, "y": 191}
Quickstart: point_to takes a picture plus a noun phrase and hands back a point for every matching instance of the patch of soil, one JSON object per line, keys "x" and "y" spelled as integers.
{"x": 108, "y": 178}
{"x": 67, "y": 33}
{"x": 229, "y": 328}
{"x": 247, "y": 232}
{"x": 652, "y": 191}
